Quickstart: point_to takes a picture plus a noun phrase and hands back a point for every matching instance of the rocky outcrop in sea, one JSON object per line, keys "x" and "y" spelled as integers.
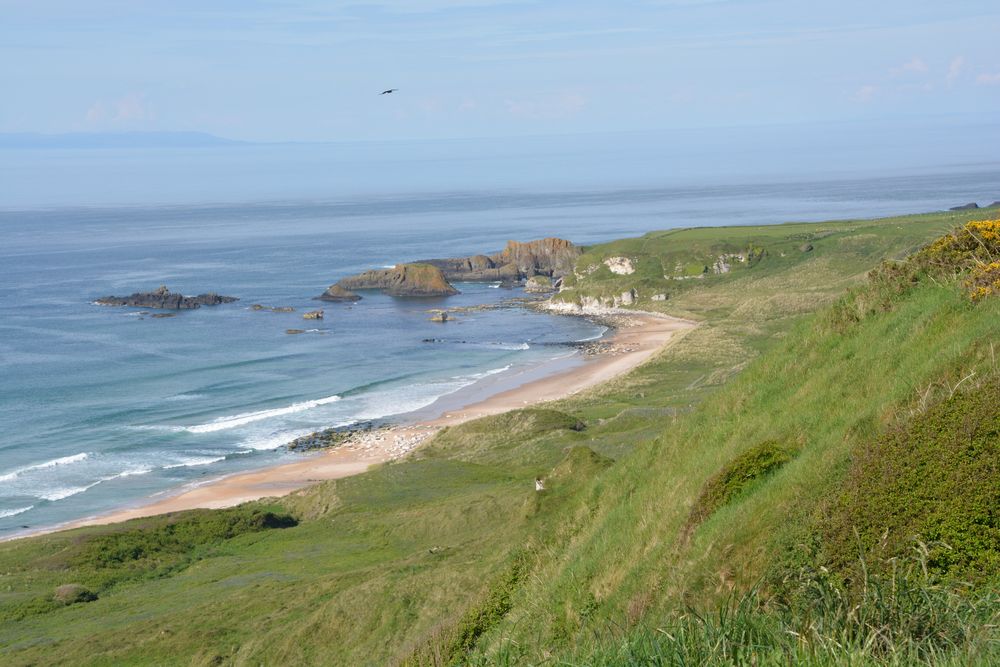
{"x": 337, "y": 293}
{"x": 418, "y": 279}
{"x": 549, "y": 258}
{"x": 518, "y": 261}
{"x": 163, "y": 299}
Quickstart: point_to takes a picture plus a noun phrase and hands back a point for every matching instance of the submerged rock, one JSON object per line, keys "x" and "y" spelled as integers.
{"x": 164, "y": 299}
{"x": 441, "y": 316}
{"x": 295, "y": 331}
{"x": 273, "y": 309}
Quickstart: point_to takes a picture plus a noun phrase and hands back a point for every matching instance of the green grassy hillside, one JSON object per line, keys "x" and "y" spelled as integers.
{"x": 729, "y": 501}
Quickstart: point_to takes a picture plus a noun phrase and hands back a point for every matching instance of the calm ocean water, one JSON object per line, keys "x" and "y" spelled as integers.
{"x": 101, "y": 407}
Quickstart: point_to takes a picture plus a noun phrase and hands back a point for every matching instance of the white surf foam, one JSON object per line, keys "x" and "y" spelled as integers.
{"x": 195, "y": 461}
{"x": 584, "y": 340}
{"x": 68, "y": 491}
{"x": 234, "y": 421}
{"x": 65, "y": 460}
{"x": 185, "y": 397}
{"x": 20, "y": 510}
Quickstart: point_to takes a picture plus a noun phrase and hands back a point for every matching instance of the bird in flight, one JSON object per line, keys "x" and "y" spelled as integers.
{"x": 386, "y": 92}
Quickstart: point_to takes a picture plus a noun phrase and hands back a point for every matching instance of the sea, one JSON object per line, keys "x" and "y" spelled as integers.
{"x": 103, "y": 408}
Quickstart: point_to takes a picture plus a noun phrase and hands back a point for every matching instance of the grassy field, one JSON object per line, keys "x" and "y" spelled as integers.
{"x": 695, "y": 510}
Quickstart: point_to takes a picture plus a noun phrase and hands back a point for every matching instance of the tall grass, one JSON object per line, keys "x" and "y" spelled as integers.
{"x": 904, "y": 617}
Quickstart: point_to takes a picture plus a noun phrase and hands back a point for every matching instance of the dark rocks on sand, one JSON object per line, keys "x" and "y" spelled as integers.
{"x": 330, "y": 437}
{"x": 164, "y": 299}
{"x": 338, "y": 293}
{"x": 971, "y": 206}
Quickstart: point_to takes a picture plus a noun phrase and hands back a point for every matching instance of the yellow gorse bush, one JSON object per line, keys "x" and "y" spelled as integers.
{"x": 973, "y": 249}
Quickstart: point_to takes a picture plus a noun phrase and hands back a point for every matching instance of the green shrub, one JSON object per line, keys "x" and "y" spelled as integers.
{"x": 935, "y": 479}
{"x": 173, "y": 540}
{"x": 738, "y": 476}
{"x": 451, "y": 645}
{"x": 73, "y": 593}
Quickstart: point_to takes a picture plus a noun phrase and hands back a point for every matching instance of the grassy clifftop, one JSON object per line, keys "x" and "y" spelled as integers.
{"x": 702, "y": 509}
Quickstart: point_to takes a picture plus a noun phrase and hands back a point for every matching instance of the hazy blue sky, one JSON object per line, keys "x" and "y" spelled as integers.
{"x": 304, "y": 70}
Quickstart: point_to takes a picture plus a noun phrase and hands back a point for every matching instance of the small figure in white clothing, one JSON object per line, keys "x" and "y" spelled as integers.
{"x": 539, "y": 484}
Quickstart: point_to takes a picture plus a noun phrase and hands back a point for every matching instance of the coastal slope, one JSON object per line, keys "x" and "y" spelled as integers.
{"x": 705, "y": 497}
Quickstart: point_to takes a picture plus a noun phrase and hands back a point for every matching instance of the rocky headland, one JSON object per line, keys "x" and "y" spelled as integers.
{"x": 163, "y": 299}
{"x": 519, "y": 261}
{"x": 547, "y": 259}
{"x": 418, "y": 279}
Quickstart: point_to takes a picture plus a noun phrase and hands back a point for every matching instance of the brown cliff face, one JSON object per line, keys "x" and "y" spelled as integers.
{"x": 401, "y": 280}
{"x": 548, "y": 257}
{"x": 545, "y": 257}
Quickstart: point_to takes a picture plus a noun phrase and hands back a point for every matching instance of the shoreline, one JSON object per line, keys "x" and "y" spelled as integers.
{"x": 636, "y": 337}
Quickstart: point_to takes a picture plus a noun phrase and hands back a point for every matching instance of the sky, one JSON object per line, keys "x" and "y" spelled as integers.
{"x": 299, "y": 70}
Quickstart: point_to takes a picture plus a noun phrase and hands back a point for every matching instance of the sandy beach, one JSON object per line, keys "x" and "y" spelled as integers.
{"x": 635, "y": 339}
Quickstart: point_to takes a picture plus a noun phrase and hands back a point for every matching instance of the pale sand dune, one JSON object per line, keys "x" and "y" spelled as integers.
{"x": 630, "y": 347}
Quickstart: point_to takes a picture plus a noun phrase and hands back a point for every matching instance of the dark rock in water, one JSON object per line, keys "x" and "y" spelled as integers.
{"x": 545, "y": 257}
{"x": 971, "y": 206}
{"x": 806, "y": 247}
{"x": 295, "y": 331}
{"x": 160, "y": 316}
{"x": 441, "y": 316}
{"x": 401, "y": 280}
{"x": 338, "y": 293}
{"x": 164, "y": 299}
{"x": 273, "y": 309}
{"x": 313, "y": 315}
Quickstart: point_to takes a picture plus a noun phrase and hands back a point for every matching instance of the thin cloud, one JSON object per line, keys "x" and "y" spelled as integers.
{"x": 866, "y": 93}
{"x": 128, "y": 109}
{"x": 955, "y": 69}
{"x": 554, "y": 107}
{"x": 988, "y": 79}
{"x": 913, "y": 66}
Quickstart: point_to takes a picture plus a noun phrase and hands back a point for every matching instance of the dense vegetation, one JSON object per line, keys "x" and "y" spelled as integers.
{"x": 810, "y": 476}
